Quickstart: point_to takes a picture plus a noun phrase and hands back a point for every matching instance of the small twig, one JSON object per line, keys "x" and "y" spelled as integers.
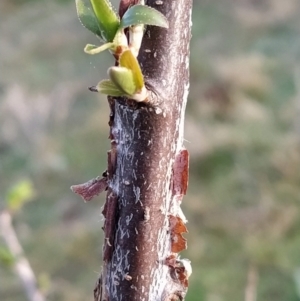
{"x": 251, "y": 286}
{"x": 21, "y": 264}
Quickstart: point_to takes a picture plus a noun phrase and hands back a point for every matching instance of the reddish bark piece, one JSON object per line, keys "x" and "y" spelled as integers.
{"x": 178, "y": 243}
{"x": 177, "y": 226}
{"x": 110, "y": 214}
{"x": 91, "y": 188}
{"x": 181, "y": 172}
{"x": 171, "y": 260}
{"x": 180, "y": 269}
{"x": 179, "y": 272}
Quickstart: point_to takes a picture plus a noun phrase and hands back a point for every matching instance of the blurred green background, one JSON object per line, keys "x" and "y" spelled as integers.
{"x": 242, "y": 131}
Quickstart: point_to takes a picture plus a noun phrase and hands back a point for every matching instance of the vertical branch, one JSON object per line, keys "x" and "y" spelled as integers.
{"x": 251, "y": 287}
{"x": 144, "y": 223}
{"x": 21, "y": 265}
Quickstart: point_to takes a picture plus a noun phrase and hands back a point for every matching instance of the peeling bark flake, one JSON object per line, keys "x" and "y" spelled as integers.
{"x": 91, "y": 188}
{"x": 177, "y": 227}
{"x": 181, "y": 173}
{"x": 110, "y": 214}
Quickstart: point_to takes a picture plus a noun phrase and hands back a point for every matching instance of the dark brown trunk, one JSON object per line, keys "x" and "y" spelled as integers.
{"x": 144, "y": 223}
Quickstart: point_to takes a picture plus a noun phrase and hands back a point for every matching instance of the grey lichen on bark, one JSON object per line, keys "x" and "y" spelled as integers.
{"x": 146, "y": 137}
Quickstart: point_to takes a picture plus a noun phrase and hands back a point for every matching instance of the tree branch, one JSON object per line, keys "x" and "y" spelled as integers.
{"x": 143, "y": 220}
{"x": 21, "y": 265}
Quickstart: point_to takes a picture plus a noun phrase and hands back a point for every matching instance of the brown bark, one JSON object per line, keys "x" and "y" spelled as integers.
{"x": 142, "y": 209}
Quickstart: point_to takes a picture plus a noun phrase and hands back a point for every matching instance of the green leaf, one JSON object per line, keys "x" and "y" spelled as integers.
{"x": 107, "y": 87}
{"x": 107, "y": 19}
{"x": 87, "y": 17}
{"x": 143, "y": 14}
{"x": 6, "y": 258}
{"x": 123, "y": 78}
{"x": 93, "y": 49}
{"x": 129, "y": 61}
{"x": 21, "y": 193}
